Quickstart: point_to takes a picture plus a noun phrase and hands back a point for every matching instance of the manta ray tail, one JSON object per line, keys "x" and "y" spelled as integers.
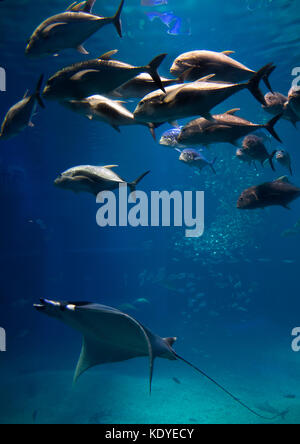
{"x": 226, "y": 391}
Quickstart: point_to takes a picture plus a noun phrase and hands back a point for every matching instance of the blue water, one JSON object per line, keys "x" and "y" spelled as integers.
{"x": 231, "y": 297}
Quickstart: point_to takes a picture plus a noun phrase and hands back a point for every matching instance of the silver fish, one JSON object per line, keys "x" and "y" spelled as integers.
{"x": 198, "y": 98}
{"x": 277, "y": 103}
{"x": 196, "y": 159}
{"x": 69, "y": 29}
{"x": 20, "y": 115}
{"x": 98, "y": 76}
{"x": 203, "y": 63}
{"x": 223, "y": 128}
{"x": 93, "y": 179}
{"x": 294, "y": 100}
{"x": 284, "y": 159}
{"x": 102, "y": 109}
{"x": 243, "y": 156}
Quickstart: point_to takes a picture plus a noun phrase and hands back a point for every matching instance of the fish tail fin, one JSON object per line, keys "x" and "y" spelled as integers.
{"x": 152, "y": 70}
{"x": 271, "y": 159}
{"x": 117, "y": 19}
{"x": 38, "y": 91}
{"x": 226, "y": 391}
{"x": 134, "y": 184}
{"x": 253, "y": 84}
{"x": 212, "y": 165}
{"x": 270, "y": 127}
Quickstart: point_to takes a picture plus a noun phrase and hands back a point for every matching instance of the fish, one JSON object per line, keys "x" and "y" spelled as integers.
{"x": 19, "y": 116}
{"x": 102, "y": 109}
{"x": 194, "y": 99}
{"x": 223, "y": 128}
{"x": 140, "y": 86}
{"x": 69, "y": 29}
{"x": 255, "y": 148}
{"x": 294, "y": 100}
{"x": 93, "y": 179}
{"x": 277, "y": 103}
{"x": 284, "y": 159}
{"x": 111, "y": 336}
{"x": 196, "y": 159}
{"x": 203, "y": 63}
{"x": 176, "y": 380}
{"x": 98, "y": 76}
{"x": 170, "y": 138}
{"x": 279, "y": 192}
{"x": 243, "y": 156}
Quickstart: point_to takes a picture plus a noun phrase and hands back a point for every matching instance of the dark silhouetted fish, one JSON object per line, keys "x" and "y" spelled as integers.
{"x": 254, "y": 147}
{"x": 20, "y": 115}
{"x": 279, "y": 192}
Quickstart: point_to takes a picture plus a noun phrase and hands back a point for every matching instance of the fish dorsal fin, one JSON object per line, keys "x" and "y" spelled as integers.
{"x": 170, "y": 341}
{"x": 108, "y": 55}
{"x": 206, "y": 78}
{"x": 73, "y": 5}
{"x": 109, "y": 167}
{"x": 228, "y": 52}
{"x": 283, "y": 179}
{"x": 53, "y": 26}
{"x": 171, "y": 96}
{"x": 79, "y": 76}
{"x": 233, "y": 111}
{"x": 26, "y": 94}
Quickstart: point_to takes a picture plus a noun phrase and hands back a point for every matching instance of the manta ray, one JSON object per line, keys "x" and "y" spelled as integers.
{"x": 112, "y": 336}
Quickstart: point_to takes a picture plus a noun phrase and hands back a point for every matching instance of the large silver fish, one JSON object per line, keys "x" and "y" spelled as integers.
{"x": 204, "y": 63}
{"x": 193, "y": 99}
{"x": 20, "y": 115}
{"x": 98, "y": 76}
{"x": 69, "y": 29}
{"x": 224, "y": 128}
{"x": 102, "y": 109}
{"x": 93, "y": 179}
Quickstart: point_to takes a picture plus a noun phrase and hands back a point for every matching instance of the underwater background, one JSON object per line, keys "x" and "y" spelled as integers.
{"x": 231, "y": 297}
